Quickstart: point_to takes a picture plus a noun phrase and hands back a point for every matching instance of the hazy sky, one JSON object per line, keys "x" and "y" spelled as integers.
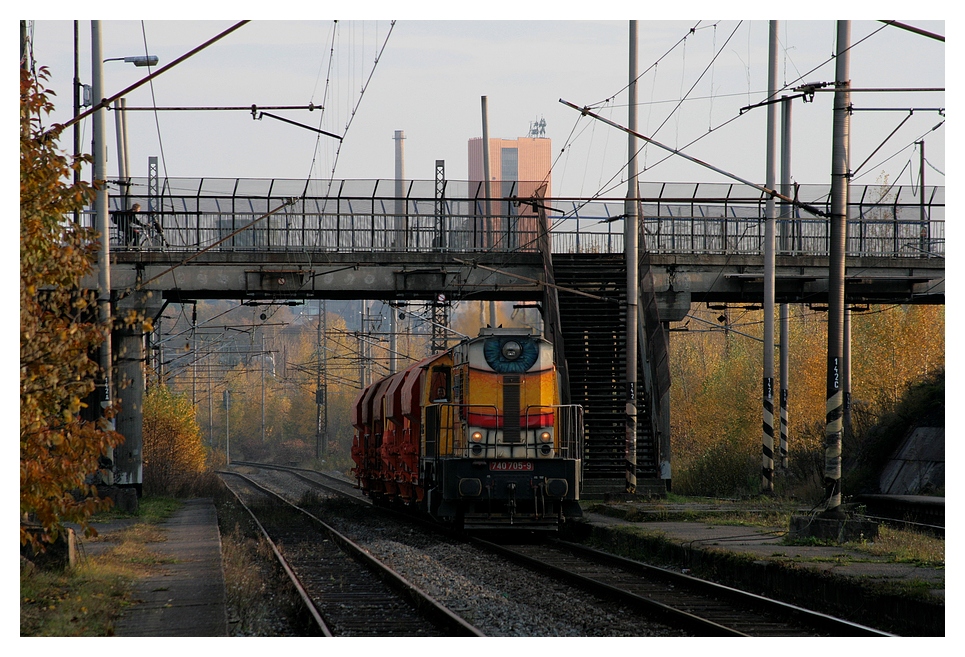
{"x": 431, "y": 75}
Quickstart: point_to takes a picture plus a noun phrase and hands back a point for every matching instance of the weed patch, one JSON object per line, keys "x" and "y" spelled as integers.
{"x": 87, "y": 600}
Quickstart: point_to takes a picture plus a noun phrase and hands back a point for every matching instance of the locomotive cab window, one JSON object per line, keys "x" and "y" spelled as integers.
{"x": 440, "y": 390}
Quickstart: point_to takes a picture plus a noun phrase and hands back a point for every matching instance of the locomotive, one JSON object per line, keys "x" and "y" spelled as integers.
{"x": 474, "y": 436}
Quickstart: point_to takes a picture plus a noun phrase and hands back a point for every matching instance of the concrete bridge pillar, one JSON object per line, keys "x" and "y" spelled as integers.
{"x": 129, "y": 382}
{"x": 129, "y": 386}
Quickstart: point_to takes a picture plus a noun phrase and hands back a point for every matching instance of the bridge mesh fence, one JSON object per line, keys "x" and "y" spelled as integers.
{"x": 190, "y": 214}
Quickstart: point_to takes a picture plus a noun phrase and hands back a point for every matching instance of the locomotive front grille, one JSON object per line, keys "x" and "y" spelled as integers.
{"x": 511, "y": 408}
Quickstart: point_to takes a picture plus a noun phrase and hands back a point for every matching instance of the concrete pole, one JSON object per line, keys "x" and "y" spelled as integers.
{"x": 924, "y": 242}
{"x": 263, "y": 355}
{"x": 76, "y": 127}
{"x": 227, "y": 438}
{"x": 767, "y": 448}
{"x": 489, "y": 239}
{"x": 99, "y": 154}
{"x": 121, "y": 151}
{"x": 127, "y": 154}
{"x": 846, "y": 372}
{"x": 840, "y": 173}
{"x": 325, "y": 371}
{"x": 207, "y": 368}
{"x": 631, "y": 228}
{"x": 363, "y": 344}
{"x": 318, "y": 383}
{"x": 784, "y": 310}
{"x": 393, "y": 340}
{"x": 194, "y": 354}
{"x": 400, "y": 220}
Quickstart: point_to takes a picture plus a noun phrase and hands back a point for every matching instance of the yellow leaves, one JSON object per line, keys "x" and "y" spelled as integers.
{"x": 716, "y": 398}
{"x": 172, "y": 445}
{"x": 57, "y": 449}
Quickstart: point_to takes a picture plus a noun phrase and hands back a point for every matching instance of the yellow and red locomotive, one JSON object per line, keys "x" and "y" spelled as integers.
{"x": 474, "y": 436}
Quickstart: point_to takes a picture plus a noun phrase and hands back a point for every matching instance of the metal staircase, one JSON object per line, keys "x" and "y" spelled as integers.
{"x": 594, "y": 345}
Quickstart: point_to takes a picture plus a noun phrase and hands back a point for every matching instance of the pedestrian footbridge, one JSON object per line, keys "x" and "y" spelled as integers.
{"x": 256, "y": 238}
{"x": 272, "y": 240}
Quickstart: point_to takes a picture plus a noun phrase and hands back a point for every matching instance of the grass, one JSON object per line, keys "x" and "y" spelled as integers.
{"x": 88, "y": 599}
{"x": 892, "y": 545}
{"x": 760, "y": 511}
{"x": 902, "y": 546}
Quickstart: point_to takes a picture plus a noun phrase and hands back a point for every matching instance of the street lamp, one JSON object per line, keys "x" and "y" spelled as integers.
{"x": 137, "y": 60}
{"x": 120, "y": 126}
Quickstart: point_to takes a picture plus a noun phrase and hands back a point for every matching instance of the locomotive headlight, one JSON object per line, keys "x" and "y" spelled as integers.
{"x": 545, "y": 436}
{"x": 476, "y": 436}
{"x": 512, "y": 350}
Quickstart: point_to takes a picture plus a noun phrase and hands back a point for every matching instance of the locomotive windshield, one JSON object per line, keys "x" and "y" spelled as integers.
{"x": 509, "y": 355}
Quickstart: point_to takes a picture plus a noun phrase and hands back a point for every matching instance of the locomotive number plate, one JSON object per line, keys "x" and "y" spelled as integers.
{"x": 511, "y": 466}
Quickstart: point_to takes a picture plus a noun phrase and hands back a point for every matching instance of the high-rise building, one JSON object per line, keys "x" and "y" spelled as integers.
{"x": 518, "y": 168}
{"x": 523, "y": 160}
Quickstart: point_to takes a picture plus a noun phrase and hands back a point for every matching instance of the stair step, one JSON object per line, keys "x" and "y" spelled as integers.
{"x": 594, "y": 344}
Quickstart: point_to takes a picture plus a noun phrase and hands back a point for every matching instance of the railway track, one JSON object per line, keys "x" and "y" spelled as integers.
{"x": 642, "y": 592}
{"x": 699, "y": 606}
{"x": 345, "y": 590}
{"x": 336, "y": 484}
{"x": 497, "y": 596}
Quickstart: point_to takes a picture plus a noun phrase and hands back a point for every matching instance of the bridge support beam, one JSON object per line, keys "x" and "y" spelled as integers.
{"x": 129, "y": 384}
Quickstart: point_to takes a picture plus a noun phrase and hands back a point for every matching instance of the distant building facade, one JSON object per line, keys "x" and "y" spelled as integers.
{"x": 518, "y": 168}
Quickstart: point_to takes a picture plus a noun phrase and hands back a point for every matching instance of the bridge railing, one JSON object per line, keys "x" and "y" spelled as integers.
{"x": 380, "y": 216}
{"x": 883, "y": 221}
{"x": 737, "y": 236}
{"x": 345, "y": 232}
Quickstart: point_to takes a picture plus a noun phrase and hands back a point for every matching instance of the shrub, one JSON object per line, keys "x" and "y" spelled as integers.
{"x": 174, "y": 457}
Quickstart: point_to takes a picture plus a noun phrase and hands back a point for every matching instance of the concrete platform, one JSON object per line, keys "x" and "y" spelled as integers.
{"x": 186, "y": 597}
{"x": 830, "y": 578}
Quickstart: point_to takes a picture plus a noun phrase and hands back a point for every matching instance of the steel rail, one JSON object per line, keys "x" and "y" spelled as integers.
{"x": 302, "y": 593}
{"x": 679, "y": 617}
{"x": 671, "y": 615}
{"x": 424, "y": 603}
{"x": 817, "y": 620}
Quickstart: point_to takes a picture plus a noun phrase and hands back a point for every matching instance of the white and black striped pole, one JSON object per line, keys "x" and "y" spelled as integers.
{"x": 785, "y": 331}
{"x": 630, "y": 247}
{"x": 840, "y": 172}
{"x": 767, "y": 451}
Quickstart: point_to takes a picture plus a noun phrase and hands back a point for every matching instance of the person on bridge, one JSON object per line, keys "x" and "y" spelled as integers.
{"x": 127, "y": 225}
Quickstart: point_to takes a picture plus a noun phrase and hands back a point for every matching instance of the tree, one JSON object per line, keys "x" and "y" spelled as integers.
{"x": 173, "y": 452}
{"x": 716, "y": 395}
{"x": 58, "y": 332}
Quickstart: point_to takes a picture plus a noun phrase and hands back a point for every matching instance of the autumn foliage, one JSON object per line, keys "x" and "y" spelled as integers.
{"x": 174, "y": 456}
{"x": 58, "y": 332}
{"x": 716, "y": 397}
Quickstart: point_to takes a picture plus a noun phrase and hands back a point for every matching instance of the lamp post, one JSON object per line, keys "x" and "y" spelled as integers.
{"x": 128, "y": 464}
{"x": 99, "y": 155}
{"x": 120, "y": 126}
